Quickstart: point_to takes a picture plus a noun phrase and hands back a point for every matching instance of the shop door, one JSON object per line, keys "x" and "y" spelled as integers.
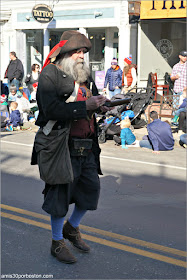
{"x": 34, "y": 48}
{"x": 96, "y": 54}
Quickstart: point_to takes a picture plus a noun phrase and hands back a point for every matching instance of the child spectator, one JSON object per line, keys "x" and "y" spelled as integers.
{"x": 15, "y": 117}
{"x": 182, "y": 107}
{"x": 13, "y": 94}
{"x": 126, "y": 135}
{"x": 23, "y": 106}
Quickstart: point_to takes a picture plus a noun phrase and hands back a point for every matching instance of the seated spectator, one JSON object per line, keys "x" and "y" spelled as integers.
{"x": 21, "y": 99}
{"x": 15, "y": 117}
{"x": 159, "y": 137}
{"x": 23, "y": 106}
{"x": 183, "y": 140}
{"x": 126, "y": 135}
{"x": 13, "y": 94}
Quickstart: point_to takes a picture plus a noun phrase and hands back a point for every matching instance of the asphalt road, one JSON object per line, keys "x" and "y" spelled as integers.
{"x": 137, "y": 232}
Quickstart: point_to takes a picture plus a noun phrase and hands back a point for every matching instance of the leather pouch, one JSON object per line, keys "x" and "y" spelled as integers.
{"x": 80, "y": 147}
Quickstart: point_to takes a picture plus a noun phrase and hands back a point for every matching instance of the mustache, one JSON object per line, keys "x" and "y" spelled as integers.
{"x": 79, "y": 60}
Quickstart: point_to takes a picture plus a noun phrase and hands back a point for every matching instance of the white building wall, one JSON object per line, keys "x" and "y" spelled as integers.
{"x": 151, "y": 59}
{"x": 14, "y": 41}
{"x": 124, "y": 33}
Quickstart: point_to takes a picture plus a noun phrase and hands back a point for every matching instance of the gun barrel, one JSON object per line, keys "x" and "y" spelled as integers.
{"x": 113, "y": 103}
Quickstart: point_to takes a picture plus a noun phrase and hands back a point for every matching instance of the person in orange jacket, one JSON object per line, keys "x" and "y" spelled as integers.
{"x": 129, "y": 75}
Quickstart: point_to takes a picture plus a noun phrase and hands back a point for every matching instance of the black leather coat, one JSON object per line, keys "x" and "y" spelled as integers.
{"x": 54, "y": 87}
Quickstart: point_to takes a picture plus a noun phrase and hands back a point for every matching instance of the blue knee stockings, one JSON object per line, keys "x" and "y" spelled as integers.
{"x": 57, "y": 222}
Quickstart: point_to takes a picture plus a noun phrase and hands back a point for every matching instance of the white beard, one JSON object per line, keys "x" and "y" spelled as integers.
{"x": 75, "y": 68}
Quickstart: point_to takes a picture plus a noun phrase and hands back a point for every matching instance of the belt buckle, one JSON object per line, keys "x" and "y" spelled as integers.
{"x": 81, "y": 149}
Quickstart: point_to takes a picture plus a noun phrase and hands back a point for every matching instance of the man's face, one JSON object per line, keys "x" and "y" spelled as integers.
{"x": 182, "y": 58}
{"x": 11, "y": 56}
{"x": 79, "y": 54}
{"x": 73, "y": 64}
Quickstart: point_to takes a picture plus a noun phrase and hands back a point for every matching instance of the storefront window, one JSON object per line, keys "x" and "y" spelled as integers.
{"x": 96, "y": 54}
{"x": 34, "y": 48}
{"x": 98, "y": 43}
{"x": 168, "y": 37}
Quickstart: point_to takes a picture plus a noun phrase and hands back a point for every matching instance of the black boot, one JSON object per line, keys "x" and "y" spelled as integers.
{"x": 61, "y": 252}
{"x": 74, "y": 236}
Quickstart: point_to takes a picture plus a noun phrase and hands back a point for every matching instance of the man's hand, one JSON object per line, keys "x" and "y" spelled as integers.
{"x": 95, "y": 102}
{"x": 176, "y": 77}
{"x": 105, "y": 109}
{"x": 156, "y": 152}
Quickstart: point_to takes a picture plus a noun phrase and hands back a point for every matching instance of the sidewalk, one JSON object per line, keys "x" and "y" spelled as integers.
{"x": 139, "y": 133}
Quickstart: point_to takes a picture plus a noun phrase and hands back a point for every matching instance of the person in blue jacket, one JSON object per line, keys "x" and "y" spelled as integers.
{"x": 113, "y": 78}
{"x": 159, "y": 137}
{"x": 15, "y": 117}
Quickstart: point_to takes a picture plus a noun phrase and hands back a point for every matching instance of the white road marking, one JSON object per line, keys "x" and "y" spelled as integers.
{"x": 15, "y": 143}
{"x": 145, "y": 162}
{"x": 112, "y": 158}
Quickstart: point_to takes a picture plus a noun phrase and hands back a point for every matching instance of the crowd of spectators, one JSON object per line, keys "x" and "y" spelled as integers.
{"x": 18, "y": 103}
